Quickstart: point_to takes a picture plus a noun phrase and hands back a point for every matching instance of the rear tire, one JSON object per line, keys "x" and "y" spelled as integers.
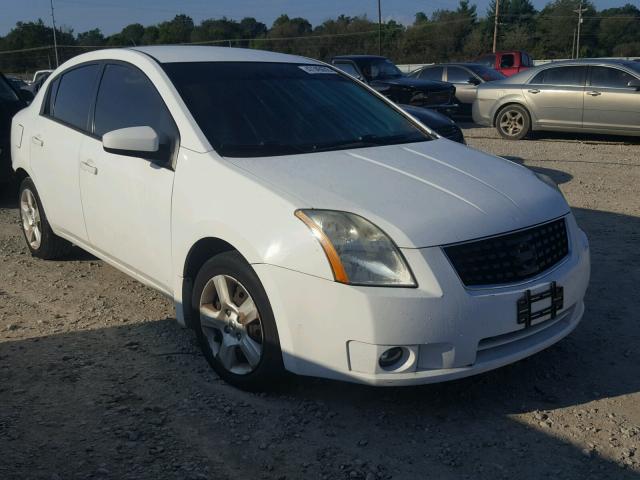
{"x": 513, "y": 122}
{"x": 235, "y": 325}
{"x": 41, "y": 240}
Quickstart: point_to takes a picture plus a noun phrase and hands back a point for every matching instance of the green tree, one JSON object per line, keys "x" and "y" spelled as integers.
{"x": 177, "y": 30}
{"x": 90, "y": 38}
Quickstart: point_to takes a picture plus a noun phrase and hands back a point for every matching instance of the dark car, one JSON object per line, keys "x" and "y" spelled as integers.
{"x": 10, "y": 103}
{"x": 464, "y": 76}
{"x": 439, "y": 123}
{"x": 382, "y": 75}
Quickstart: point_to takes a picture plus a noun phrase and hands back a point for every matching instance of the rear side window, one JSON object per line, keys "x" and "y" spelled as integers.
{"x": 609, "y": 77}
{"x": 458, "y": 75}
{"x": 127, "y": 98}
{"x": 74, "y": 97}
{"x": 561, "y": 76}
{"x": 433, "y": 73}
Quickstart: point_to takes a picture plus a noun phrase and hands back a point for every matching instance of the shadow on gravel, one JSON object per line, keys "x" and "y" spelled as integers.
{"x": 138, "y": 401}
{"x": 558, "y": 176}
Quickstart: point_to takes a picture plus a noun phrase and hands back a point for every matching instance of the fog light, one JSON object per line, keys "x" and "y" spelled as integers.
{"x": 390, "y": 357}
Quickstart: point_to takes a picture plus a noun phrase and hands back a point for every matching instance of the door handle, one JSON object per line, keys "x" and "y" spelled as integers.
{"x": 87, "y": 166}
{"x": 593, "y": 93}
{"x": 37, "y": 141}
{"x": 534, "y": 90}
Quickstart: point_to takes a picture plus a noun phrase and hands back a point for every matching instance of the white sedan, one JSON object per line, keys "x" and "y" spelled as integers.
{"x": 299, "y": 220}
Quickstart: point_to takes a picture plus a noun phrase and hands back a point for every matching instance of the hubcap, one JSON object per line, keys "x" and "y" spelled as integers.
{"x": 30, "y": 218}
{"x": 231, "y": 323}
{"x": 512, "y": 122}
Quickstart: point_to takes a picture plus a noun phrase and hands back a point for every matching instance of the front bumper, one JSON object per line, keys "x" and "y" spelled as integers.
{"x": 337, "y": 331}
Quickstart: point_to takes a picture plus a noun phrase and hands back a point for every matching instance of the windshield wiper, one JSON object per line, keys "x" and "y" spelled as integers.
{"x": 366, "y": 141}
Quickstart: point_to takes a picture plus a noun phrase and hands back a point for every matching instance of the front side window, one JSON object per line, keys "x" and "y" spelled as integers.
{"x": 561, "y": 76}
{"x": 380, "y": 69}
{"x": 127, "y": 98}
{"x": 507, "y": 60}
{"x": 74, "y": 95}
{"x": 348, "y": 67}
{"x": 263, "y": 109}
{"x": 458, "y": 75}
{"x": 431, "y": 73}
{"x": 609, "y": 77}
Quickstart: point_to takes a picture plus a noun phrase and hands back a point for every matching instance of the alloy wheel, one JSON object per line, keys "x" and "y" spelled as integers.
{"x": 230, "y": 322}
{"x": 30, "y": 215}
{"x": 512, "y": 122}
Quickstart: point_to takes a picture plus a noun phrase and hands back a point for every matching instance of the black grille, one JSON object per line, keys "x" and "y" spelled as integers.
{"x": 442, "y": 97}
{"x": 512, "y": 257}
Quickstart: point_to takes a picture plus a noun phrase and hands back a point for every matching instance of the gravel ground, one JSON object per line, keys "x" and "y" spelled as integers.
{"x": 97, "y": 380}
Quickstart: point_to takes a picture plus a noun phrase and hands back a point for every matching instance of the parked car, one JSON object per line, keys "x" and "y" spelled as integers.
{"x": 508, "y": 63}
{"x": 383, "y": 76}
{"x": 299, "y": 220}
{"x": 590, "y": 96}
{"x": 436, "y": 121}
{"x": 10, "y": 103}
{"x": 464, "y": 76}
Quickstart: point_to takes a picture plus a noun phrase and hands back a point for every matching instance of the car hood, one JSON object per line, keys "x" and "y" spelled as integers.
{"x": 430, "y": 118}
{"x": 422, "y": 194}
{"x": 408, "y": 82}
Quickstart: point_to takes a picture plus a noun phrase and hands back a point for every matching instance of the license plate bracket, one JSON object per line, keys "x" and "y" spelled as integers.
{"x": 525, "y": 304}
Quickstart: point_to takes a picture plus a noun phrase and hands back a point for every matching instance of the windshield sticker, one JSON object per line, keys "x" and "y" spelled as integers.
{"x": 313, "y": 69}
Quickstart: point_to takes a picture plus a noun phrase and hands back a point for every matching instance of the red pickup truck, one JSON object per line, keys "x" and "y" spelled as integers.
{"x": 507, "y": 62}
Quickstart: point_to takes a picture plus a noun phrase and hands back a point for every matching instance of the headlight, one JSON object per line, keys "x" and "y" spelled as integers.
{"x": 549, "y": 181}
{"x": 359, "y": 252}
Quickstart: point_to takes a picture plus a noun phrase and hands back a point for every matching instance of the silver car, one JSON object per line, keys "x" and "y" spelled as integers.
{"x": 591, "y": 96}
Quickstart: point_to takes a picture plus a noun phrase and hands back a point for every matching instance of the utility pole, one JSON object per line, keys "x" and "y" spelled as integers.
{"x": 379, "y": 28}
{"x": 573, "y": 44}
{"x": 579, "y": 12}
{"x": 55, "y": 41}
{"x": 495, "y": 25}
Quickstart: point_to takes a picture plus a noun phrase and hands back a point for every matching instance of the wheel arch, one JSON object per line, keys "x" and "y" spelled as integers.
{"x": 508, "y": 103}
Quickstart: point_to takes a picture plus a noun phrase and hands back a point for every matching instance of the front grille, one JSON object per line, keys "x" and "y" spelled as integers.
{"x": 442, "y": 97}
{"x": 512, "y": 257}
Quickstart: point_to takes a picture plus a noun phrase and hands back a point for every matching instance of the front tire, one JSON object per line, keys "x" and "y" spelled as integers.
{"x": 235, "y": 325}
{"x": 513, "y": 122}
{"x": 41, "y": 240}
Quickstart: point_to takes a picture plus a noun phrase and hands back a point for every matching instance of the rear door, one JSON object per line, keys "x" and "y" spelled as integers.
{"x": 127, "y": 200}
{"x": 55, "y": 143}
{"x": 555, "y": 96}
{"x": 464, "y": 81}
{"x": 609, "y": 103}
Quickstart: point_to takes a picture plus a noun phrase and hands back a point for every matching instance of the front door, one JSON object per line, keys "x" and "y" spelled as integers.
{"x": 126, "y": 199}
{"x": 609, "y": 104}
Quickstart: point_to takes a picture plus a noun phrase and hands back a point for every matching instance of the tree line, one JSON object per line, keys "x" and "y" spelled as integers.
{"x": 445, "y": 35}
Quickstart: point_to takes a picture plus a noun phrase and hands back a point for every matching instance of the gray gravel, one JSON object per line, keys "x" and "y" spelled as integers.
{"x": 98, "y": 381}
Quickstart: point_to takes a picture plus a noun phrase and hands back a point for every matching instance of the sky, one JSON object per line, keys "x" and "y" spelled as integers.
{"x": 111, "y": 15}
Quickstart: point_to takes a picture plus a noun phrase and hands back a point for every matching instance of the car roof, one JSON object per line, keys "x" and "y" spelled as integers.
{"x": 359, "y": 57}
{"x": 588, "y": 61}
{"x": 456, "y": 64}
{"x": 202, "y": 53}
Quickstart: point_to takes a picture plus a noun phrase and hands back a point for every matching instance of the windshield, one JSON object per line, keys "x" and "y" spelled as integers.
{"x": 487, "y": 74}
{"x": 379, "y": 69}
{"x": 7, "y": 93}
{"x": 263, "y": 109}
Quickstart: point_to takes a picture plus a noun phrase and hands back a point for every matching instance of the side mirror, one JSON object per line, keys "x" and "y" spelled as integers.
{"x": 473, "y": 81}
{"x": 634, "y": 84}
{"x": 141, "y": 142}
{"x": 26, "y": 95}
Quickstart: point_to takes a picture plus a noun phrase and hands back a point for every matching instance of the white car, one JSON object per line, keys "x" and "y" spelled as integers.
{"x": 299, "y": 220}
